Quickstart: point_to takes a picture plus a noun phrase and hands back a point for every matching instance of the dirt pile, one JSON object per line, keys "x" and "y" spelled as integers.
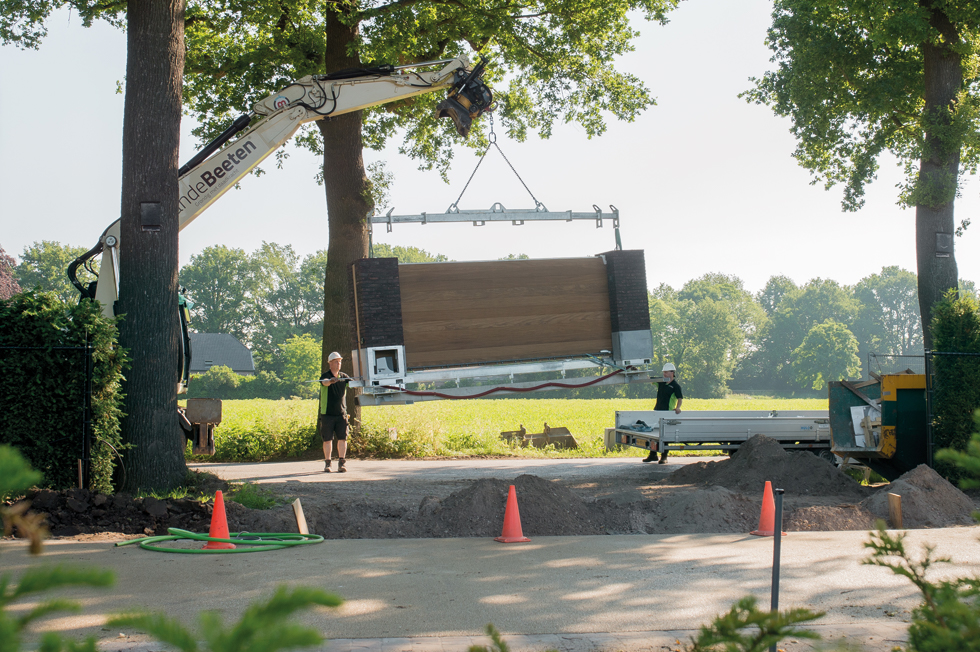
{"x": 714, "y": 509}
{"x": 546, "y": 509}
{"x": 477, "y": 510}
{"x": 829, "y": 518}
{"x": 928, "y": 500}
{"x": 78, "y": 511}
{"x": 760, "y": 459}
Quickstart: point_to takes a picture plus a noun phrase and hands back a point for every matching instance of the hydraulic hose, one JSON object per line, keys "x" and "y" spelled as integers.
{"x": 506, "y": 389}
{"x": 257, "y": 541}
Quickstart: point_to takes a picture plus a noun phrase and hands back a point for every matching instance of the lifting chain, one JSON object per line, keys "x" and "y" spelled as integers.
{"x": 492, "y": 136}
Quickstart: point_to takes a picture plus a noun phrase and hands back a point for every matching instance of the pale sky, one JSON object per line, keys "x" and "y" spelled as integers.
{"x": 704, "y": 182}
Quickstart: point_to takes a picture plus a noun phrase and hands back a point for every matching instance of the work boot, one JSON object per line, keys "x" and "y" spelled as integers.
{"x": 652, "y": 457}
{"x": 340, "y": 465}
{"x": 326, "y": 466}
{"x": 663, "y": 459}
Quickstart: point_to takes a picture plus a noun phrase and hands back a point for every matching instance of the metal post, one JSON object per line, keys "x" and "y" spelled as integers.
{"x": 87, "y": 415}
{"x": 929, "y": 405}
{"x": 777, "y": 537}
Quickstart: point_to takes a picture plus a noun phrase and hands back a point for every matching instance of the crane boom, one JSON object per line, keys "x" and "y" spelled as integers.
{"x": 311, "y": 98}
{"x": 222, "y": 163}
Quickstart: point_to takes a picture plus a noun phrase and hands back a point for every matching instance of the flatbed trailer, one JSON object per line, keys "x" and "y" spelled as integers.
{"x": 724, "y": 430}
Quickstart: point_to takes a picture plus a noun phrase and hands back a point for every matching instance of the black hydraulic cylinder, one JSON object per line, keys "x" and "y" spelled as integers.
{"x": 240, "y": 123}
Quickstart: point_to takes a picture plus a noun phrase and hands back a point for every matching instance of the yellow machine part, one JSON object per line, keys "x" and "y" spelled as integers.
{"x": 891, "y": 383}
{"x": 889, "y": 442}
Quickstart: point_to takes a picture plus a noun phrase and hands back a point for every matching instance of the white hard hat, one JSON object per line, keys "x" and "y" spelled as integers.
{"x": 334, "y": 356}
{"x": 667, "y": 367}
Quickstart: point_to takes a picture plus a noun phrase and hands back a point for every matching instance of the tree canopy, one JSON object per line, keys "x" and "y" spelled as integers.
{"x": 556, "y": 58}
{"x": 43, "y": 267}
{"x": 859, "y": 78}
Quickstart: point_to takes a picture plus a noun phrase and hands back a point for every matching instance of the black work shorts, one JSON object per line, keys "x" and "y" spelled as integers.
{"x": 332, "y": 427}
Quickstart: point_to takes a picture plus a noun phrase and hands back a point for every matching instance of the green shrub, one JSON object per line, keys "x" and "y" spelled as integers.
{"x": 258, "y": 430}
{"x": 264, "y": 627}
{"x": 44, "y": 388}
{"x": 746, "y": 628}
{"x": 955, "y": 329}
{"x": 948, "y": 620}
{"x": 15, "y": 477}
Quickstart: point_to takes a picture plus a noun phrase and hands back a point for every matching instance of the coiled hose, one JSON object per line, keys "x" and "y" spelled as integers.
{"x": 256, "y": 541}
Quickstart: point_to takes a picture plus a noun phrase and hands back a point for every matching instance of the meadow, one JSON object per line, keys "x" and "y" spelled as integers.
{"x": 258, "y": 430}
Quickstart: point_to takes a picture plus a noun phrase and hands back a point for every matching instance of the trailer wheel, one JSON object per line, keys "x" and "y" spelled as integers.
{"x": 827, "y": 454}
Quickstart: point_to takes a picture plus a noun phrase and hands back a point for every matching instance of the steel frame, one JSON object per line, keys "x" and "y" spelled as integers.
{"x": 389, "y": 396}
{"x": 498, "y": 213}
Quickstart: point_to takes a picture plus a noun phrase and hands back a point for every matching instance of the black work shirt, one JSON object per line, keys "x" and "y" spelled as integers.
{"x": 333, "y": 398}
{"x": 664, "y": 393}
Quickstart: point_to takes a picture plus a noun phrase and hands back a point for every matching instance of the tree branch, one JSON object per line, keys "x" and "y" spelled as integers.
{"x": 401, "y": 4}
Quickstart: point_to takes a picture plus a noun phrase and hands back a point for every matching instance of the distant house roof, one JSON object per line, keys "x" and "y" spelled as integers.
{"x": 220, "y": 349}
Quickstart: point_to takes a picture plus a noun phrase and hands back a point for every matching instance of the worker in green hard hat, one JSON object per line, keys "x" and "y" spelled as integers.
{"x": 669, "y": 397}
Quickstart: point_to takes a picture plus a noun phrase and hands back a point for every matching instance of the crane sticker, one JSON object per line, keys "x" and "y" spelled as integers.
{"x": 209, "y": 178}
{"x": 280, "y": 101}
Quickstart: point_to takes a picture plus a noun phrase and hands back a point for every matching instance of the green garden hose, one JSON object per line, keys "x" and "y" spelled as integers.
{"x": 256, "y": 541}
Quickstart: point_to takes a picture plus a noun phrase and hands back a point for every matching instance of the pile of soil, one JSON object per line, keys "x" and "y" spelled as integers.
{"x": 760, "y": 459}
{"x": 79, "y": 511}
{"x": 704, "y": 497}
{"x": 548, "y": 509}
{"x": 928, "y": 500}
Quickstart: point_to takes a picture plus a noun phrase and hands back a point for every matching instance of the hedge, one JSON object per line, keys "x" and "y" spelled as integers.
{"x": 956, "y": 389}
{"x": 43, "y": 388}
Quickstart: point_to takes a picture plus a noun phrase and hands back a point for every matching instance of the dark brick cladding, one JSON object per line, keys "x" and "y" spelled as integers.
{"x": 379, "y": 302}
{"x": 627, "y": 276}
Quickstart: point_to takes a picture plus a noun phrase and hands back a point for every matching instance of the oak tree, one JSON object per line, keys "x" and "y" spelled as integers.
{"x": 828, "y": 352}
{"x": 148, "y": 265}
{"x": 42, "y": 268}
{"x": 860, "y": 78}
{"x": 221, "y": 283}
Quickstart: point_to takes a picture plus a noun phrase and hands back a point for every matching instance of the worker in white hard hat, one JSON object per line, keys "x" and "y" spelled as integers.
{"x": 333, "y": 412}
{"x": 669, "y": 397}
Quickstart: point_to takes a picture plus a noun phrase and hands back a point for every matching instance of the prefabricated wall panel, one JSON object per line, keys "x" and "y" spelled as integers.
{"x": 465, "y": 313}
{"x": 378, "y": 308}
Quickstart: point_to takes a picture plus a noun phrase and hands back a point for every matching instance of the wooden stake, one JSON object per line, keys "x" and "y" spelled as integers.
{"x": 300, "y": 517}
{"x": 895, "y": 511}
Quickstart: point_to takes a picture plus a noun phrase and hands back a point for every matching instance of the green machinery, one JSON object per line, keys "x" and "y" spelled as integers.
{"x": 881, "y": 423}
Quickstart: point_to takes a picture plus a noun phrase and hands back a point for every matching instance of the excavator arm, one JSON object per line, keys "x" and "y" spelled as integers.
{"x": 223, "y": 162}
{"x": 209, "y": 175}
{"x": 220, "y": 164}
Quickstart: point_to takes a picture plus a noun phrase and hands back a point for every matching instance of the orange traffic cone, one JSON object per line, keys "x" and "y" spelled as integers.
{"x": 512, "y": 521}
{"x": 219, "y": 526}
{"x": 767, "y": 520}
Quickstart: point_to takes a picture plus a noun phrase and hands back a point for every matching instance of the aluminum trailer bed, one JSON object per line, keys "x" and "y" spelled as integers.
{"x": 724, "y": 430}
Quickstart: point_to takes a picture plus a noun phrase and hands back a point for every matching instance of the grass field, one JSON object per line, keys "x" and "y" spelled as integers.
{"x": 260, "y": 429}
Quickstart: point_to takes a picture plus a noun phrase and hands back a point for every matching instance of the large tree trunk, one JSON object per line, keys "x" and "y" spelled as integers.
{"x": 348, "y": 204}
{"x": 938, "y": 171}
{"x": 148, "y": 252}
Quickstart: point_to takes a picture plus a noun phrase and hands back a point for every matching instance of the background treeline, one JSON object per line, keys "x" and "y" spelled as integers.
{"x": 787, "y": 339}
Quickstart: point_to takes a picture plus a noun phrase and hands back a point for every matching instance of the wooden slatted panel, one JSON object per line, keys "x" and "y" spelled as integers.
{"x": 461, "y": 313}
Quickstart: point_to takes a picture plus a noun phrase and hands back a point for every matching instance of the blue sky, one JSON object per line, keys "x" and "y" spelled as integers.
{"x": 704, "y": 181}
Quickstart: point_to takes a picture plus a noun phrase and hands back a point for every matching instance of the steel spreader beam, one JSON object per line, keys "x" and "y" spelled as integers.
{"x": 498, "y": 213}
